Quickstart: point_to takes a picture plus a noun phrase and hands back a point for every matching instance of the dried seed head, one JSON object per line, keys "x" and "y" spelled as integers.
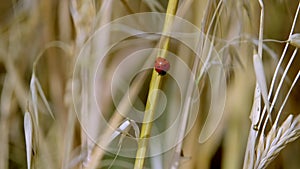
{"x": 295, "y": 40}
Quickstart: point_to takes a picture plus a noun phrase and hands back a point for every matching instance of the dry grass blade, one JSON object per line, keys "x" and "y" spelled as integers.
{"x": 256, "y": 108}
{"x": 261, "y": 80}
{"x": 35, "y": 86}
{"x": 33, "y": 92}
{"x": 286, "y": 98}
{"x": 283, "y": 53}
{"x": 83, "y": 13}
{"x": 276, "y": 140}
{"x": 28, "y": 137}
{"x": 43, "y": 97}
{"x": 35, "y": 89}
{"x": 254, "y": 117}
{"x": 261, "y": 27}
{"x": 281, "y": 82}
{"x": 213, "y": 65}
{"x": 208, "y": 43}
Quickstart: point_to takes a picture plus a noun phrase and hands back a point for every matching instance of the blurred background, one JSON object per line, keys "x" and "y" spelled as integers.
{"x": 40, "y": 42}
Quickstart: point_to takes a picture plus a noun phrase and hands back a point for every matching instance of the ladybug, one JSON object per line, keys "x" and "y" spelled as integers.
{"x": 161, "y": 66}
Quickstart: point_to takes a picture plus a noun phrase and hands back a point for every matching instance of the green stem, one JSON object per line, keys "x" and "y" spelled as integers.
{"x": 154, "y": 84}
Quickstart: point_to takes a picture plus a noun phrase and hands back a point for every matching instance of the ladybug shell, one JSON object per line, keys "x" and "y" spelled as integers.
{"x": 161, "y": 65}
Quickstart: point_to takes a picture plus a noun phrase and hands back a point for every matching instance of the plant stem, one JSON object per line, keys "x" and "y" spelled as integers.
{"x": 154, "y": 84}
{"x": 147, "y": 125}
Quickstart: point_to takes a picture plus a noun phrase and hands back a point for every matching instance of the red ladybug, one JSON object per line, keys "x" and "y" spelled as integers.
{"x": 161, "y": 66}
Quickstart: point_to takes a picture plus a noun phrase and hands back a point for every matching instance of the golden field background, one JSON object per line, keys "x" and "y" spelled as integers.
{"x": 43, "y": 39}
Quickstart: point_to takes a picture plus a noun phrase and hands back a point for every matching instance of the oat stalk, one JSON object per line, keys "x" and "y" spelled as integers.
{"x": 277, "y": 139}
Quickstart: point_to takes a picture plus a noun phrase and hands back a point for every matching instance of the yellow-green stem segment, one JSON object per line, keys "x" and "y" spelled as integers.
{"x": 147, "y": 125}
{"x": 154, "y": 84}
